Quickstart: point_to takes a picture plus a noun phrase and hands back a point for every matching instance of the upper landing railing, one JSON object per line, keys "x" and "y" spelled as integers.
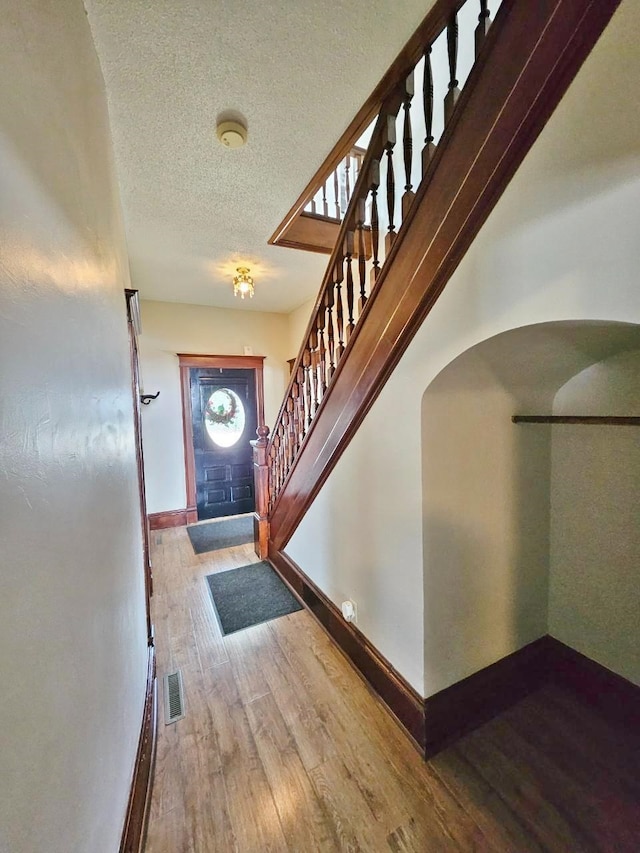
{"x": 409, "y": 126}
{"x": 331, "y": 201}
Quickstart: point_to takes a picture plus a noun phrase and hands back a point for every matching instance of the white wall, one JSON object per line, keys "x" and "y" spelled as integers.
{"x": 169, "y": 328}
{"x": 72, "y": 626}
{"x": 560, "y": 245}
{"x": 594, "y": 597}
{"x": 486, "y": 518}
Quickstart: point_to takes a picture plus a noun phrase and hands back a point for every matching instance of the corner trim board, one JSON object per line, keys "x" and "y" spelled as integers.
{"x": 137, "y": 817}
{"x": 404, "y": 703}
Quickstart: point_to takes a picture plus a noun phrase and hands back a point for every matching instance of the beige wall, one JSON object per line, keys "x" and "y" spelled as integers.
{"x": 72, "y": 626}
{"x": 297, "y": 322}
{"x": 169, "y": 328}
{"x": 560, "y": 245}
{"x": 594, "y": 597}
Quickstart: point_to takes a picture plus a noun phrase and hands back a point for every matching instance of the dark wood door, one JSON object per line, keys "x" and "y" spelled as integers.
{"x": 224, "y": 416}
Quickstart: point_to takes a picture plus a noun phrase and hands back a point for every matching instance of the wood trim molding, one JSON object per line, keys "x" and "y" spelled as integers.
{"x": 464, "y": 706}
{"x": 224, "y": 361}
{"x": 610, "y": 694}
{"x": 467, "y": 704}
{"x": 400, "y": 698}
{"x": 531, "y": 55}
{"x": 187, "y": 361}
{"x": 137, "y": 817}
{"x": 171, "y": 518}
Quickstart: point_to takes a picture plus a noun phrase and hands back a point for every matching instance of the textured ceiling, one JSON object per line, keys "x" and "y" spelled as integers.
{"x": 297, "y": 70}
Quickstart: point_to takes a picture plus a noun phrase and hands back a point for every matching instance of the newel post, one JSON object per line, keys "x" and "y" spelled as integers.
{"x": 261, "y": 483}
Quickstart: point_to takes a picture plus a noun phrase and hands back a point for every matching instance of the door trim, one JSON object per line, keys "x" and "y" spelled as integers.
{"x": 134, "y": 330}
{"x": 187, "y": 361}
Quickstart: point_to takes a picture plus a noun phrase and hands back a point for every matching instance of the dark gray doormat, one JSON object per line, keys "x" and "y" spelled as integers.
{"x": 249, "y": 595}
{"x": 221, "y": 534}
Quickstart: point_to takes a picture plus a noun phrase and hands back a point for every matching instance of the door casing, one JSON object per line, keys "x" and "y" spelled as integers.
{"x": 188, "y": 360}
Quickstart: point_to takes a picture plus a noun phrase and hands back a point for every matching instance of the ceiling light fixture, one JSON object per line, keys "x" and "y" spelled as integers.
{"x": 243, "y": 283}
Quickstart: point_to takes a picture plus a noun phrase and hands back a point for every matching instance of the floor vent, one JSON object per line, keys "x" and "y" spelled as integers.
{"x": 173, "y": 698}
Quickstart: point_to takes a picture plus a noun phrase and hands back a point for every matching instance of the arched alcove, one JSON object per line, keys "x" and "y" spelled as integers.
{"x": 493, "y": 502}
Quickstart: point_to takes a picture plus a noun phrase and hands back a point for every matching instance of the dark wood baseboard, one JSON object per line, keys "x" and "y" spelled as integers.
{"x": 135, "y": 825}
{"x": 172, "y": 518}
{"x": 467, "y": 704}
{"x": 438, "y": 721}
{"x": 608, "y": 693}
{"x": 401, "y": 699}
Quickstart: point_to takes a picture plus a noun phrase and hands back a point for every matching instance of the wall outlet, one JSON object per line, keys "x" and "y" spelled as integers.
{"x": 350, "y": 610}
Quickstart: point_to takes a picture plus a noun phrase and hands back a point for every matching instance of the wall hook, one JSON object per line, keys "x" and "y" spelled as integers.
{"x": 145, "y": 399}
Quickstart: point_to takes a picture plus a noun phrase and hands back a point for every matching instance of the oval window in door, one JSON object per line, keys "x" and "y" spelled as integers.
{"x": 224, "y": 417}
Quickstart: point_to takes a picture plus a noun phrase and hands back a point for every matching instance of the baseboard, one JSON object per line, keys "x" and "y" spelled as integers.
{"x": 438, "y": 721}
{"x": 467, "y": 704}
{"x": 172, "y": 518}
{"x": 397, "y": 694}
{"x": 610, "y": 694}
{"x": 135, "y": 825}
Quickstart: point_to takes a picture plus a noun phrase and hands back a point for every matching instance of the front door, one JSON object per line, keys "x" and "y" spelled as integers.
{"x": 224, "y": 412}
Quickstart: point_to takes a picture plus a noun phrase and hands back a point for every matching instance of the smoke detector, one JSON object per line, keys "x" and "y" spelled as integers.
{"x": 232, "y": 134}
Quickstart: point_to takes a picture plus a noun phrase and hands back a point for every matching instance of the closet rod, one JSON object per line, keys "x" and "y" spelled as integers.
{"x": 576, "y": 419}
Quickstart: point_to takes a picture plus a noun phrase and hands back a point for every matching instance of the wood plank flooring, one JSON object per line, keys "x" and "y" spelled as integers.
{"x": 283, "y": 748}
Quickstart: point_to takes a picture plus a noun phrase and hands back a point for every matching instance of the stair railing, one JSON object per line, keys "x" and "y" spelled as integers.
{"x": 332, "y": 199}
{"x": 378, "y": 206}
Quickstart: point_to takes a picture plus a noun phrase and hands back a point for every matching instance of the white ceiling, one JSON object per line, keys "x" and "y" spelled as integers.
{"x": 297, "y": 70}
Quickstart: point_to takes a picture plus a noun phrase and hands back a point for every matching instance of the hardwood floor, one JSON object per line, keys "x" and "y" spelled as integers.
{"x": 284, "y": 748}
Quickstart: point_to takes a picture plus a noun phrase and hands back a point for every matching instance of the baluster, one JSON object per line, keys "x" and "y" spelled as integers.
{"x": 322, "y": 378}
{"x": 389, "y": 141}
{"x": 407, "y": 145}
{"x": 362, "y": 264}
{"x": 329, "y": 299}
{"x": 452, "y": 49}
{"x": 295, "y": 396}
{"x": 313, "y": 376}
{"x": 272, "y": 477}
{"x": 339, "y": 310}
{"x": 292, "y": 432}
{"x": 484, "y": 22}
{"x": 374, "y": 183}
{"x": 276, "y": 462}
{"x": 281, "y": 451}
{"x": 347, "y": 183}
{"x": 349, "y": 239}
{"x": 285, "y": 442}
{"x": 313, "y": 205}
{"x": 325, "y": 203}
{"x": 301, "y": 405}
{"x": 427, "y": 101}
{"x": 336, "y": 191}
{"x": 306, "y": 363}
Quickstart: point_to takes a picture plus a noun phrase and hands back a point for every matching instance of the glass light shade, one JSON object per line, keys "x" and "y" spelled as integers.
{"x": 243, "y": 283}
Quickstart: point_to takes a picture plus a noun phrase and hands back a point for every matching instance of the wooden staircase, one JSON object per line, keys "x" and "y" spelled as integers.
{"x": 400, "y": 241}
